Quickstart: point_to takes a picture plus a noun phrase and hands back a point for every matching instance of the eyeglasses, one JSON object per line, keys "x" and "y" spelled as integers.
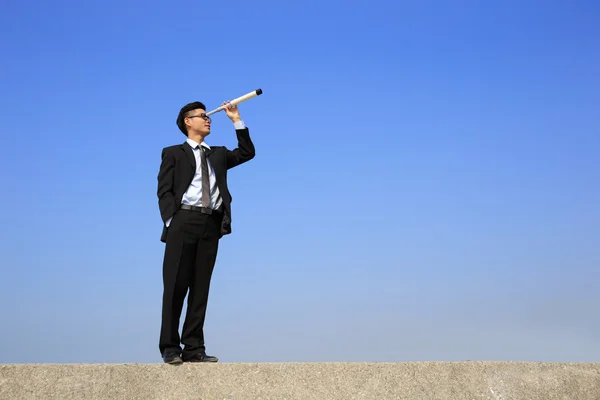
{"x": 203, "y": 116}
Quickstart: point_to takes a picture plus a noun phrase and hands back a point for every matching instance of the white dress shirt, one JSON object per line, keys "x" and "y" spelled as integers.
{"x": 193, "y": 195}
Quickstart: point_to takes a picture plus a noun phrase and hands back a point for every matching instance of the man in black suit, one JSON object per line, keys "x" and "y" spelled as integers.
{"x": 195, "y": 206}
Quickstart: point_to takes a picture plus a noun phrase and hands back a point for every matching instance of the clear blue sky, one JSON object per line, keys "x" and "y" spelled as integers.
{"x": 425, "y": 185}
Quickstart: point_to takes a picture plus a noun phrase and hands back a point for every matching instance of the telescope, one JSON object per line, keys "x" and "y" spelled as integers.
{"x": 240, "y": 99}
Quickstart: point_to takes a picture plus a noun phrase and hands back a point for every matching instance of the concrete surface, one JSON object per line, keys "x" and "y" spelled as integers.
{"x": 306, "y": 381}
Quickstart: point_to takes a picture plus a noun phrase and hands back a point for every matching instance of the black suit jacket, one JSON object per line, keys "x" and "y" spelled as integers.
{"x": 177, "y": 171}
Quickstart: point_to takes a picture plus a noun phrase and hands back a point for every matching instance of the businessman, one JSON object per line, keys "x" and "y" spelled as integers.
{"x": 195, "y": 206}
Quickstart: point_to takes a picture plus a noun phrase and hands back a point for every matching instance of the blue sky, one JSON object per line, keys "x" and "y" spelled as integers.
{"x": 425, "y": 185}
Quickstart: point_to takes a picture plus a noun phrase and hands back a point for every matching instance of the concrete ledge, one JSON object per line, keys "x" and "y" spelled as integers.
{"x": 418, "y": 380}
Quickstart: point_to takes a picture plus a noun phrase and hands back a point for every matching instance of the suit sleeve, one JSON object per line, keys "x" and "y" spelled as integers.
{"x": 166, "y": 182}
{"x": 245, "y": 150}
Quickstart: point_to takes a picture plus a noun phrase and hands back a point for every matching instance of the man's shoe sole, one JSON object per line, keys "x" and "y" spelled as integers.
{"x": 201, "y": 361}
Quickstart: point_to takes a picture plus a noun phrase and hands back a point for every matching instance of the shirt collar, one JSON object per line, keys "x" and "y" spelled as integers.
{"x": 195, "y": 144}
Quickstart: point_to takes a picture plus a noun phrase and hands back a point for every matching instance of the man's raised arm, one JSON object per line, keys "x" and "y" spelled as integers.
{"x": 245, "y": 150}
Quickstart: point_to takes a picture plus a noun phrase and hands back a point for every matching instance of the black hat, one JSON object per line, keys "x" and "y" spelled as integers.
{"x": 188, "y": 107}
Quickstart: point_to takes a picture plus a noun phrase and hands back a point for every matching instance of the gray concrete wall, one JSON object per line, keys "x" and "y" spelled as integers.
{"x": 306, "y": 381}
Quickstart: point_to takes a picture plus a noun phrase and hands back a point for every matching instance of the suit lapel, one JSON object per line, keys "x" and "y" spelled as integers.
{"x": 214, "y": 160}
{"x": 189, "y": 154}
{"x": 211, "y": 157}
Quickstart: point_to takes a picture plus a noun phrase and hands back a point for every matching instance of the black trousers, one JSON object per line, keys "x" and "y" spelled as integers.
{"x": 189, "y": 259}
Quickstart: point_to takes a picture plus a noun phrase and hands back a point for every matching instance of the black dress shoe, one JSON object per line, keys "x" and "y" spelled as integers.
{"x": 200, "y": 358}
{"x": 172, "y": 358}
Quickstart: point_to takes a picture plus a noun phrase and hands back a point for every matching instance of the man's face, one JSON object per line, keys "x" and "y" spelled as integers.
{"x": 197, "y": 121}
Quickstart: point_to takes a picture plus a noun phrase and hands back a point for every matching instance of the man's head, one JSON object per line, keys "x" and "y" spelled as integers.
{"x": 192, "y": 120}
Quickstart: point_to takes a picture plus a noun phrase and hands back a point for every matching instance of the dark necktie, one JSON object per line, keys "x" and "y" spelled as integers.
{"x": 205, "y": 182}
